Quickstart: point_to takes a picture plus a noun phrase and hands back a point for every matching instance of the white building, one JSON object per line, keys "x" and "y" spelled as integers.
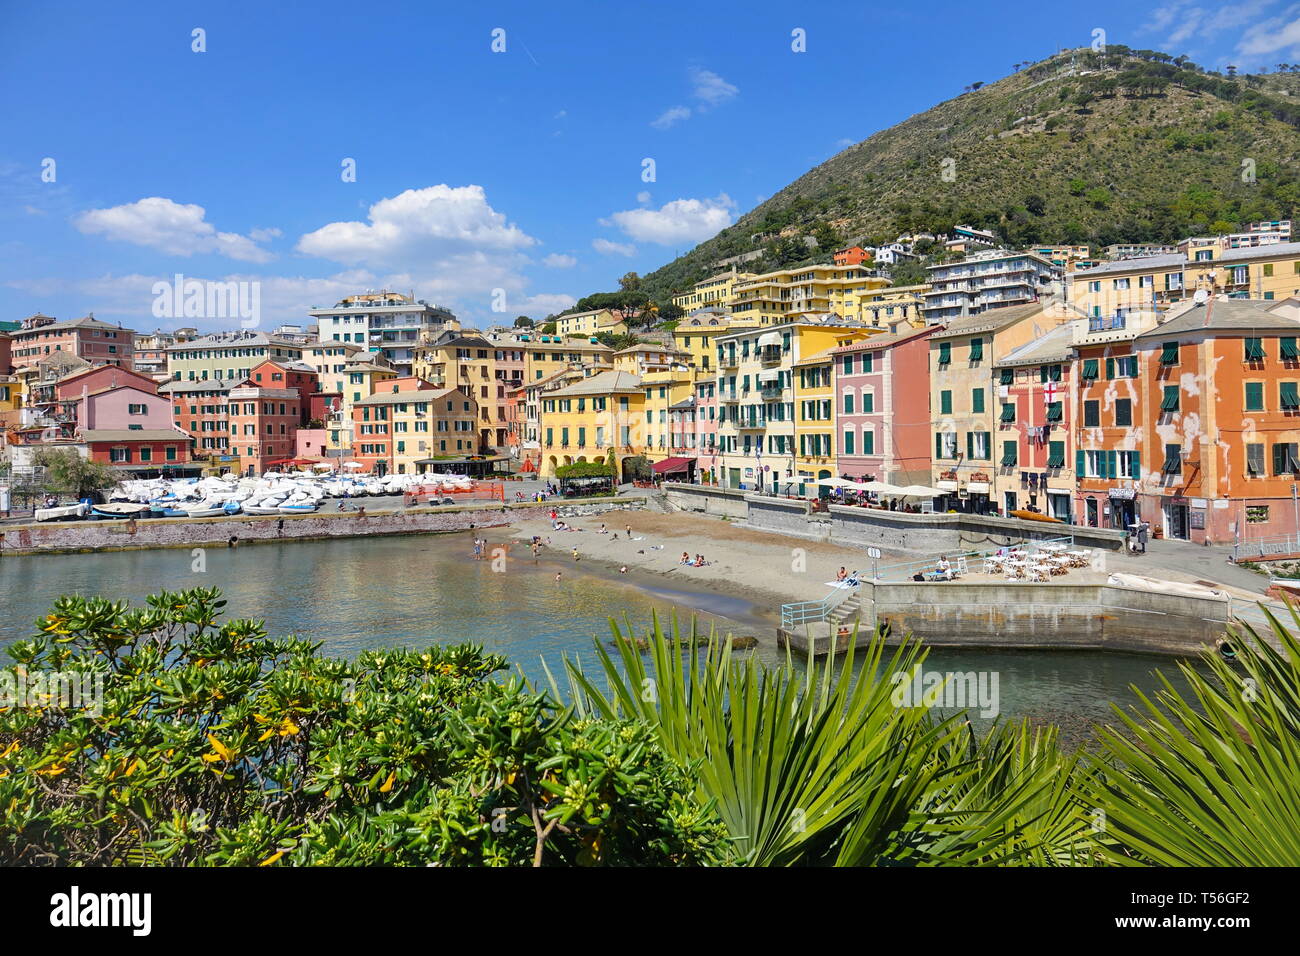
{"x": 387, "y": 322}
{"x": 988, "y": 280}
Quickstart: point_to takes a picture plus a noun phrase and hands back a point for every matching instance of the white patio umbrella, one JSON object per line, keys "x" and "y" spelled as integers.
{"x": 322, "y": 466}
{"x": 919, "y": 491}
{"x": 881, "y": 488}
{"x": 353, "y": 464}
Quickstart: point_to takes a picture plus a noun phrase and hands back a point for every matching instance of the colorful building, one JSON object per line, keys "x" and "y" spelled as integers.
{"x": 963, "y": 418}
{"x": 412, "y": 427}
{"x": 586, "y": 420}
{"x": 590, "y": 323}
{"x": 227, "y": 355}
{"x": 99, "y": 343}
{"x": 814, "y": 422}
{"x": 715, "y": 292}
{"x": 985, "y": 281}
{"x": 882, "y": 401}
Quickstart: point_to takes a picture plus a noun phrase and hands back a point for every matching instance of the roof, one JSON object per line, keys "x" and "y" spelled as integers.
{"x": 199, "y": 385}
{"x": 887, "y": 341}
{"x": 413, "y": 395}
{"x": 993, "y": 320}
{"x": 87, "y": 322}
{"x": 1136, "y": 264}
{"x": 1052, "y": 346}
{"x": 1224, "y": 315}
{"x": 601, "y": 383}
{"x": 134, "y": 434}
{"x": 817, "y": 358}
{"x": 1274, "y": 250}
{"x": 235, "y": 340}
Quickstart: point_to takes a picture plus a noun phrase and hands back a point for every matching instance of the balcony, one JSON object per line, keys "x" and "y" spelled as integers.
{"x": 770, "y": 356}
{"x": 1106, "y": 323}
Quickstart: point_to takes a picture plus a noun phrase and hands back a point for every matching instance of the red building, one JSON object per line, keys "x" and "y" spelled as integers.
{"x": 853, "y": 256}
{"x": 263, "y": 424}
{"x": 99, "y": 343}
{"x": 300, "y": 377}
{"x": 200, "y": 409}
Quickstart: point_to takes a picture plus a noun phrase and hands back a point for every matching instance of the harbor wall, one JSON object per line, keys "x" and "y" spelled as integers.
{"x": 118, "y": 535}
{"x": 722, "y": 502}
{"x": 1045, "y": 616}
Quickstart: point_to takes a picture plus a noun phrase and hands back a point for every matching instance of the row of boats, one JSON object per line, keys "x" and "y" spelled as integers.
{"x": 272, "y": 493}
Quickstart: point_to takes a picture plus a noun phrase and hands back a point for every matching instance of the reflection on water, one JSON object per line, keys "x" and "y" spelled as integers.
{"x": 390, "y": 591}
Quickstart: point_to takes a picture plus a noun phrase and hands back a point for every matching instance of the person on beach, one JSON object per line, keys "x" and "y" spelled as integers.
{"x": 575, "y": 554}
{"x": 686, "y": 558}
{"x": 623, "y": 569}
{"x": 699, "y": 561}
{"x": 557, "y": 577}
{"x": 602, "y": 529}
{"x": 629, "y": 532}
{"x": 842, "y": 575}
{"x": 944, "y": 568}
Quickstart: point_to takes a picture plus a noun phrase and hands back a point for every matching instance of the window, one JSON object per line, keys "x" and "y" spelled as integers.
{"x": 1007, "y": 376}
{"x": 1089, "y": 370}
{"x": 1284, "y": 458}
{"x": 1254, "y": 350}
{"x": 848, "y": 403}
{"x": 1170, "y": 401}
{"x": 1169, "y": 354}
{"x": 1290, "y": 401}
{"x": 1124, "y": 366}
{"x": 1123, "y": 411}
{"x": 1091, "y": 414}
{"x": 868, "y": 443}
{"x": 977, "y": 445}
{"x": 848, "y": 441}
{"x": 1056, "y": 454}
{"x": 1130, "y": 464}
{"x": 1174, "y": 458}
{"x": 945, "y": 353}
{"x": 141, "y": 410}
{"x": 1008, "y": 412}
{"x": 1287, "y": 347}
{"x": 977, "y": 400}
{"x": 945, "y": 403}
{"x": 1008, "y": 453}
{"x": 847, "y": 365}
{"x": 1055, "y": 411}
{"x": 976, "y": 350}
{"x": 1255, "y": 461}
{"x": 1254, "y": 396}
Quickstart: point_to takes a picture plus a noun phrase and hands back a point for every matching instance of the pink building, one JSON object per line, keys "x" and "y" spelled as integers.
{"x": 126, "y": 408}
{"x": 706, "y": 432}
{"x": 882, "y": 396}
{"x": 99, "y": 377}
{"x": 99, "y": 343}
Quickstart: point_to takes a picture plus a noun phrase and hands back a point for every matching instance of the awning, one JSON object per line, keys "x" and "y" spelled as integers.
{"x": 946, "y": 485}
{"x": 977, "y": 487}
{"x": 671, "y": 466}
{"x": 770, "y": 375}
{"x": 768, "y": 339}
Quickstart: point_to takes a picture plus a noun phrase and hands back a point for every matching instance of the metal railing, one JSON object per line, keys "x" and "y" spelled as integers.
{"x": 808, "y": 612}
{"x": 1255, "y": 549}
{"x": 906, "y": 570}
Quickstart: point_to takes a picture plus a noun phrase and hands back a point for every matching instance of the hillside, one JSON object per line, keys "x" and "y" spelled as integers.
{"x": 1132, "y": 146}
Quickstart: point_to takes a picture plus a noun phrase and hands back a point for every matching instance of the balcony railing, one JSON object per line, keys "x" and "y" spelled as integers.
{"x": 1106, "y": 323}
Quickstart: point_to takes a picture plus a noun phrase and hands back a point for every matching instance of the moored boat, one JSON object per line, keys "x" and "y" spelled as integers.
{"x": 120, "y": 509}
{"x": 62, "y": 512}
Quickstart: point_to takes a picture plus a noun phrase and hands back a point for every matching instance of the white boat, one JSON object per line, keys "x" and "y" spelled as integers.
{"x": 201, "y": 512}
{"x": 120, "y": 509}
{"x": 62, "y": 512}
{"x": 263, "y": 507}
{"x": 297, "y": 509}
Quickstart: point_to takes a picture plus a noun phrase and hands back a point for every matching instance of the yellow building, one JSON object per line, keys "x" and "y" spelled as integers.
{"x": 547, "y": 354}
{"x": 695, "y": 335}
{"x": 411, "y": 425}
{"x": 758, "y": 394}
{"x": 883, "y": 307}
{"x": 1269, "y": 272}
{"x": 584, "y": 421}
{"x": 467, "y": 361}
{"x": 789, "y": 294}
{"x": 715, "y": 292}
{"x": 589, "y": 323}
{"x": 330, "y": 361}
{"x": 647, "y": 358}
{"x": 814, "y": 421}
{"x": 664, "y": 390}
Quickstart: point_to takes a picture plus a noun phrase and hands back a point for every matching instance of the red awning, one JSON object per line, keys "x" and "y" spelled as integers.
{"x": 670, "y": 466}
{"x": 528, "y": 465}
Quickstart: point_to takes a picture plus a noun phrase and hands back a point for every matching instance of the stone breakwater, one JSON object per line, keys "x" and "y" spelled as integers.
{"x": 116, "y": 535}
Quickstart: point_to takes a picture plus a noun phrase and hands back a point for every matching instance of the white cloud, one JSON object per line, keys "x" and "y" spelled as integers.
{"x": 643, "y": 196}
{"x": 682, "y": 220}
{"x": 710, "y": 88}
{"x": 264, "y": 235}
{"x": 845, "y": 143}
{"x": 558, "y": 260}
{"x": 561, "y": 114}
{"x": 1270, "y": 36}
{"x": 671, "y": 116}
{"x": 416, "y": 226}
{"x": 170, "y": 227}
{"x": 607, "y": 248}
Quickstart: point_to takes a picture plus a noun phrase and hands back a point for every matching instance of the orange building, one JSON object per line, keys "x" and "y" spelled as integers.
{"x": 1220, "y": 422}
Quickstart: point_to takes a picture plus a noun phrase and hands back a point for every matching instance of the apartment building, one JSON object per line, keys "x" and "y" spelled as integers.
{"x": 882, "y": 407}
{"x": 227, "y": 355}
{"x": 263, "y": 424}
{"x": 330, "y": 360}
{"x": 386, "y": 322}
{"x": 695, "y": 335}
{"x": 994, "y": 279}
{"x": 814, "y": 422}
{"x": 1034, "y": 385}
{"x": 99, "y": 343}
{"x": 200, "y": 409}
{"x": 787, "y": 295}
{"x": 963, "y": 420}
{"x": 586, "y": 420}
{"x": 715, "y": 292}
{"x": 590, "y": 323}
{"x": 412, "y": 427}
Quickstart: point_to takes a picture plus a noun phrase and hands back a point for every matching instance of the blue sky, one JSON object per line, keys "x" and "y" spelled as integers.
{"x": 476, "y": 171}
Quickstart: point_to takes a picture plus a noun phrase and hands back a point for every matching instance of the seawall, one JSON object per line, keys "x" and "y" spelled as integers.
{"x": 117, "y": 535}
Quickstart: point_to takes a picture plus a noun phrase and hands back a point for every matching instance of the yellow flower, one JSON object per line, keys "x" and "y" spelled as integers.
{"x": 272, "y": 858}
{"x": 388, "y": 784}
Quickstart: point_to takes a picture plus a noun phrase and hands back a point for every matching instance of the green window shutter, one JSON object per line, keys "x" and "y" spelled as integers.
{"x": 1110, "y": 368}
{"x": 970, "y": 444}
{"x": 1008, "y": 376}
{"x": 1137, "y": 464}
{"x": 1170, "y": 401}
{"x": 1123, "y": 411}
{"x": 938, "y": 445}
{"x": 1054, "y": 411}
{"x": 1254, "y": 396}
{"x": 1078, "y": 463}
{"x": 1042, "y": 373}
{"x": 1089, "y": 369}
{"x": 848, "y": 403}
{"x": 1091, "y": 414}
{"x": 945, "y": 353}
{"x": 1112, "y": 465}
{"x": 1008, "y": 412}
{"x": 1290, "y": 400}
{"x": 977, "y": 400}
{"x": 1008, "y": 453}
{"x": 868, "y": 443}
{"x": 1056, "y": 455}
{"x": 976, "y": 349}
{"x": 1254, "y": 350}
{"x": 848, "y": 442}
{"x": 1287, "y": 348}
{"x": 1169, "y": 354}
{"x": 868, "y": 403}
{"x": 1055, "y": 374}
{"x": 945, "y": 403}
